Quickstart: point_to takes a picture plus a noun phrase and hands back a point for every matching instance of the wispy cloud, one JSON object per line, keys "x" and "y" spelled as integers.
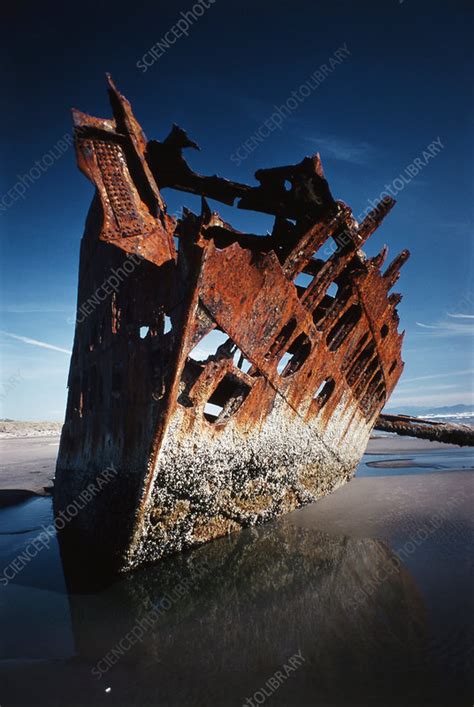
{"x": 433, "y": 376}
{"x": 343, "y": 150}
{"x": 449, "y": 328}
{"x": 461, "y": 316}
{"x": 35, "y": 342}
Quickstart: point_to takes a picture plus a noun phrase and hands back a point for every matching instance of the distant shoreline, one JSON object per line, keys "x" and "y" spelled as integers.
{"x": 17, "y": 429}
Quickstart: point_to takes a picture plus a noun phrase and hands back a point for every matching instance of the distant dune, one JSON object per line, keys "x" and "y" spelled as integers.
{"x": 17, "y": 428}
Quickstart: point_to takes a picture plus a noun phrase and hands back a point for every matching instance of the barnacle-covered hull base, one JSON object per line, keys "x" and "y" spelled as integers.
{"x": 227, "y": 377}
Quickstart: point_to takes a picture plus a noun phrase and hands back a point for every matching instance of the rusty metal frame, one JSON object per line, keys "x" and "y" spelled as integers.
{"x": 127, "y": 395}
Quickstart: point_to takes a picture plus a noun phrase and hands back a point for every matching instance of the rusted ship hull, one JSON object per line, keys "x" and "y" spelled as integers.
{"x": 279, "y": 413}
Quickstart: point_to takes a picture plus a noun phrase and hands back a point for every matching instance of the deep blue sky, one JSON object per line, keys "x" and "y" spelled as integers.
{"x": 406, "y": 83}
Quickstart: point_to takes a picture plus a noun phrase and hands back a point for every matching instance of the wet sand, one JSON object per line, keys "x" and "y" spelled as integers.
{"x": 395, "y": 444}
{"x": 378, "y": 507}
{"x": 320, "y": 580}
{"x": 27, "y": 465}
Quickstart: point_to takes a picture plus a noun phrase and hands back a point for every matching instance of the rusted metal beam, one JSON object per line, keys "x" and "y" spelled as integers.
{"x": 462, "y": 435}
{"x": 297, "y": 191}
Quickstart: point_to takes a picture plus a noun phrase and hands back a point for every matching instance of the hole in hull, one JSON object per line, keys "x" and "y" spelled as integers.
{"x": 296, "y": 355}
{"x": 324, "y": 392}
{"x": 212, "y": 412}
{"x": 282, "y": 338}
{"x": 302, "y": 281}
{"x": 208, "y": 345}
{"x": 241, "y": 362}
{"x": 167, "y": 324}
{"x": 325, "y": 304}
{"x": 343, "y": 327}
{"x": 226, "y": 399}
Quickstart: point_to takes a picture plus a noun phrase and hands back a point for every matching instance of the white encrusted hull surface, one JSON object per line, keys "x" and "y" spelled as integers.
{"x": 209, "y": 482}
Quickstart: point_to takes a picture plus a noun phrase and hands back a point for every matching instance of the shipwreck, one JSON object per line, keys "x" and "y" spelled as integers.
{"x": 280, "y": 412}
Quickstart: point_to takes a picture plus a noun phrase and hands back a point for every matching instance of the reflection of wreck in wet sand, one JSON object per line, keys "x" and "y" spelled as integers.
{"x": 281, "y": 413}
{"x": 232, "y": 612}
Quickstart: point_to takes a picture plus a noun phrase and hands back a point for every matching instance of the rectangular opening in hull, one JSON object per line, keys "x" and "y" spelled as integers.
{"x": 226, "y": 399}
